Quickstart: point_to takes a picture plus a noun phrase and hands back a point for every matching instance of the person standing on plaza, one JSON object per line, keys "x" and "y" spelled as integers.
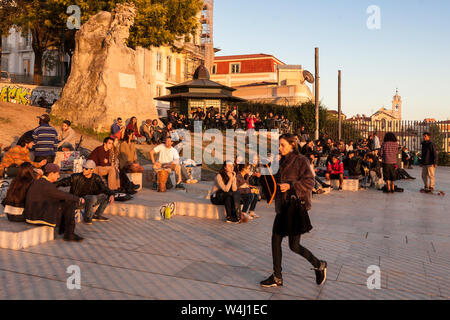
{"x": 389, "y": 154}
{"x": 429, "y": 162}
{"x": 376, "y": 146}
{"x": 294, "y": 180}
{"x": 45, "y": 139}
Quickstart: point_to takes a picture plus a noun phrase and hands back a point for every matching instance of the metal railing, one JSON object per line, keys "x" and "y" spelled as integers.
{"x": 408, "y": 133}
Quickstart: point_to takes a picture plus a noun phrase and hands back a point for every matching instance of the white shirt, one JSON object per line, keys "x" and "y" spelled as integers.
{"x": 166, "y": 155}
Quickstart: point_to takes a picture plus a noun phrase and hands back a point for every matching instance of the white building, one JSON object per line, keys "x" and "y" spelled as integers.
{"x": 18, "y": 57}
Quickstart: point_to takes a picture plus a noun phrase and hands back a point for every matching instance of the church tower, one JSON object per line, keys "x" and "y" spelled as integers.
{"x": 397, "y": 106}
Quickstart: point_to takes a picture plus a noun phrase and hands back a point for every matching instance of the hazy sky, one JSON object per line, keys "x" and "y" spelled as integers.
{"x": 411, "y": 50}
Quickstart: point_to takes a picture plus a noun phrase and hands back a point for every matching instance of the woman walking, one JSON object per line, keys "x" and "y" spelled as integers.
{"x": 389, "y": 154}
{"x": 294, "y": 180}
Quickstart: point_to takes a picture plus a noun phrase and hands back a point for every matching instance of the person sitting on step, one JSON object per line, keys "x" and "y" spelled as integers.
{"x": 168, "y": 159}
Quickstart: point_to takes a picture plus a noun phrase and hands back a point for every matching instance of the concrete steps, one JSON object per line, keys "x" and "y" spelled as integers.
{"x": 147, "y": 205}
{"x": 17, "y": 235}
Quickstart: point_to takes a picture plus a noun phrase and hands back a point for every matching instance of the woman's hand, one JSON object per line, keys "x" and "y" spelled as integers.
{"x": 284, "y": 187}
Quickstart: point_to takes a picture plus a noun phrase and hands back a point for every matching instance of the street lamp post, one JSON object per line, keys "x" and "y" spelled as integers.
{"x": 317, "y": 93}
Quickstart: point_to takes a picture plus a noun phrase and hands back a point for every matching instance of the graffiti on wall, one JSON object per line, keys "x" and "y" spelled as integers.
{"x": 28, "y": 96}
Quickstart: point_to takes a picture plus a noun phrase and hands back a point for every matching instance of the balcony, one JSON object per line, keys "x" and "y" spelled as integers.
{"x": 25, "y": 47}
{"x": 6, "y": 48}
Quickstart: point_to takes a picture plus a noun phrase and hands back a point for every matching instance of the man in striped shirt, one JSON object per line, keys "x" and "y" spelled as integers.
{"x": 46, "y": 140}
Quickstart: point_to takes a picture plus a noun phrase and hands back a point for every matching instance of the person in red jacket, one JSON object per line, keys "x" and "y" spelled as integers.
{"x": 335, "y": 170}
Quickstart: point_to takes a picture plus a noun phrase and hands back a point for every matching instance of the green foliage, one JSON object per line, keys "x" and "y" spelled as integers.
{"x": 444, "y": 159}
{"x": 157, "y": 21}
{"x": 299, "y": 115}
{"x": 350, "y": 131}
{"x": 437, "y": 136}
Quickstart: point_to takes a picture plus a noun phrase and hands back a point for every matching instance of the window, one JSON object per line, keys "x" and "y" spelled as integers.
{"x": 275, "y": 66}
{"x": 158, "y": 61}
{"x": 159, "y": 91}
{"x": 235, "y": 68}
{"x": 169, "y": 66}
{"x": 214, "y": 69}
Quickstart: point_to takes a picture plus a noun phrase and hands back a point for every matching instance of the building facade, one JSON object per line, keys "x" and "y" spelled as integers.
{"x": 263, "y": 78}
{"x": 18, "y": 58}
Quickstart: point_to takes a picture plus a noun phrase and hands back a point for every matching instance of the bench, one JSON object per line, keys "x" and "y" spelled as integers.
{"x": 347, "y": 184}
{"x": 20, "y": 235}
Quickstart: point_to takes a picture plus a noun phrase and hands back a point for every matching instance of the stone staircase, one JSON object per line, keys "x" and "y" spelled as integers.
{"x": 16, "y": 236}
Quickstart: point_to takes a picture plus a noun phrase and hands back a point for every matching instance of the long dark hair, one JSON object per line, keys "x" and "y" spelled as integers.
{"x": 292, "y": 140}
{"x": 223, "y": 172}
{"x": 20, "y": 184}
{"x": 127, "y": 134}
{"x": 390, "y": 136}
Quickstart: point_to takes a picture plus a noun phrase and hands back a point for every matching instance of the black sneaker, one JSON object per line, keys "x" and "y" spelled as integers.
{"x": 87, "y": 221}
{"x": 180, "y": 186}
{"x": 272, "y": 281}
{"x": 321, "y": 273}
{"x": 74, "y": 238}
{"x": 100, "y": 218}
{"x": 136, "y": 186}
{"x": 340, "y": 188}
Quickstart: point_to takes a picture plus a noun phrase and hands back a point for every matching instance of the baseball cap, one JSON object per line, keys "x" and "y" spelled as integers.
{"x": 51, "y": 167}
{"x": 45, "y": 117}
{"x": 89, "y": 164}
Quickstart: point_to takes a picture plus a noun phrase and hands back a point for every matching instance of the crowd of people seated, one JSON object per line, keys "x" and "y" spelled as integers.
{"x": 372, "y": 162}
{"x": 212, "y": 119}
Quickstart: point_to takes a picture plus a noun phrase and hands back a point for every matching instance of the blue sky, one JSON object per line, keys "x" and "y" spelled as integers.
{"x": 410, "y": 51}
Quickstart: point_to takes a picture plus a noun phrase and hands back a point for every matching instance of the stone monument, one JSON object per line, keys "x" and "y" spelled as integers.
{"x": 105, "y": 81}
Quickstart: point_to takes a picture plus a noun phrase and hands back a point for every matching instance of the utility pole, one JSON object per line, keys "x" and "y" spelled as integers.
{"x": 339, "y": 105}
{"x": 317, "y": 93}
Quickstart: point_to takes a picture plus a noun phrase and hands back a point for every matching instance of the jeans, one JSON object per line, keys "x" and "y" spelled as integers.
{"x": 428, "y": 173}
{"x": 231, "y": 201}
{"x": 294, "y": 245}
{"x": 250, "y": 200}
{"x": 91, "y": 201}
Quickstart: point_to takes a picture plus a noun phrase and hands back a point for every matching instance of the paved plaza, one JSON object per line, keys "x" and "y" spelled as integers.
{"x": 406, "y": 234}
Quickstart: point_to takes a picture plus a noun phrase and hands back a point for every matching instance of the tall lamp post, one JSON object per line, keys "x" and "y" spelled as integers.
{"x": 317, "y": 93}
{"x": 339, "y": 105}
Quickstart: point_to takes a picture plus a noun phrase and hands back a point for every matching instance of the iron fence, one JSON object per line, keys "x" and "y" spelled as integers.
{"x": 408, "y": 133}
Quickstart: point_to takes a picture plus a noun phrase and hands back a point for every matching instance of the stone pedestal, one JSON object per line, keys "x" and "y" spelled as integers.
{"x": 19, "y": 235}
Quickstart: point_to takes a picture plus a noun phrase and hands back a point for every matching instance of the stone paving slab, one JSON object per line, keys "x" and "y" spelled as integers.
{"x": 406, "y": 234}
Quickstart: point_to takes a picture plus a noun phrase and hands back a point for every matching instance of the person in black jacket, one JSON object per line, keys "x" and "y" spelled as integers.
{"x": 46, "y": 205}
{"x": 429, "y": 162}
{"x": 89, "y": 186}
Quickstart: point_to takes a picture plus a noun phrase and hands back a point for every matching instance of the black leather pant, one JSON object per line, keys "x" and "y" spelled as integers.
{"x": 294, "y": 245}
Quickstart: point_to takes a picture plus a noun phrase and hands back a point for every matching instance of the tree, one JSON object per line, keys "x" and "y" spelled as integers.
{"x": 157, "y": 22}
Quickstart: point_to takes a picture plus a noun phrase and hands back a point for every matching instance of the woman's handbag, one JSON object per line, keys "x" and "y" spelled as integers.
{"x": 297, "y": 214}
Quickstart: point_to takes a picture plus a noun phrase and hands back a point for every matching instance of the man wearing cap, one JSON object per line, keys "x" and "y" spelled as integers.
{"x": 45, "y": 139}
{"x": 46, "y": 205}
{"x": 89, "y": 186}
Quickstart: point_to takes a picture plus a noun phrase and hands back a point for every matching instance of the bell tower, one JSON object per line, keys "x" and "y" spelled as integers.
{"x": 397, "y": 106}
